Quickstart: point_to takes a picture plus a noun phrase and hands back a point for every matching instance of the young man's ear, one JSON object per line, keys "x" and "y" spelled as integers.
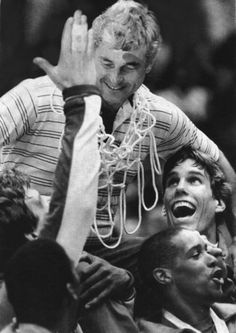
{"x": 162, "y": 275}
{"x": 220, "y": 206}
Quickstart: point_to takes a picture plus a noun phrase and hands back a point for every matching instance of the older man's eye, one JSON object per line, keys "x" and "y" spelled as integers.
{"x": 131, "y": 66}
{"x": 107, "y": 64}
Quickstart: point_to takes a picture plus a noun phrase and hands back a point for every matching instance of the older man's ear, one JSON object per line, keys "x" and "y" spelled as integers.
{"x": 152, "y": 56}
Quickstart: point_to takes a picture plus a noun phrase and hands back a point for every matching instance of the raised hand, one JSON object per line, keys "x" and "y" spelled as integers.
{"x": 101, "y": 280}
{"x": 76, "y": 63}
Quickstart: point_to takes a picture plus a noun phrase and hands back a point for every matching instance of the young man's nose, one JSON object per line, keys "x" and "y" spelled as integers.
{"x": 181, "y": 186}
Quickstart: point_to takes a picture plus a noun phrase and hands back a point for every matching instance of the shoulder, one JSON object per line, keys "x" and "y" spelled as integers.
{"x": 39, "y": 84}
{"x": 7, "y": 329}
{"x": 31, "y": 88}
{"x": 167, "y": 116}
{"x": 157, "y": 105}
{"x": 32, "y": 96}
{"x": 42, "y": 93}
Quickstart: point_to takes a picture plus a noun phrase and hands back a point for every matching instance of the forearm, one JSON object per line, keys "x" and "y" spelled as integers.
{"x": 74, "y": 111}
{"x": 81, "y": 197}
{"x": 73, "y": 205}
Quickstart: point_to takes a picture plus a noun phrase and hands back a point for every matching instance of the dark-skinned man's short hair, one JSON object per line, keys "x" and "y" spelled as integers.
{"x": 157, "y": 251}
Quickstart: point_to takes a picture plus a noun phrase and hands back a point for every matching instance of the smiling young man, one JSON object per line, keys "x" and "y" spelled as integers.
{"x": 197, "y": 196}
{"x": 176, "y": 264}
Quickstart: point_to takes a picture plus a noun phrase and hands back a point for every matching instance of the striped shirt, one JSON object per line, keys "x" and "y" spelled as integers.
{"x": 31, "y": 125}
{"x": 172, "y": 130}
{"x": 32, "y": 121}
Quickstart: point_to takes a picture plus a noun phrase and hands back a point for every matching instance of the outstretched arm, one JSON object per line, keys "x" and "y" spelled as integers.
{"x": 73, "y": 203}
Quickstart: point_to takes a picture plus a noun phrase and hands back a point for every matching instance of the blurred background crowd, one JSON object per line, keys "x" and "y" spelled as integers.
{"x": 195, "y": 67}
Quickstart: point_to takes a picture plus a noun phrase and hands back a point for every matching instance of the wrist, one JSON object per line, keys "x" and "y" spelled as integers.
{"x": 80, "y": 90}
{"x": 128, "y": 291}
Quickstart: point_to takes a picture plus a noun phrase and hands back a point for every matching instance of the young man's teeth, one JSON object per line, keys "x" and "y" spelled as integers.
{"x": 183, "y": 203}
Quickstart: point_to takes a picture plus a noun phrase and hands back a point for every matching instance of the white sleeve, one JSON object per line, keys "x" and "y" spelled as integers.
{"x": 81, "y": 201}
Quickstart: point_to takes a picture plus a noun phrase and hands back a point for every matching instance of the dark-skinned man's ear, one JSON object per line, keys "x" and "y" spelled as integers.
{"x": 162, "y": 275}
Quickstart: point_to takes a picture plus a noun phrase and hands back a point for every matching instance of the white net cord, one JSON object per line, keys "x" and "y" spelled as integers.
{"x": 119, "y": 159}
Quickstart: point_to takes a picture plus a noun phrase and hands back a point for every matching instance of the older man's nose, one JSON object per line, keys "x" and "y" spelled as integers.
{"x": 115, "y": 78}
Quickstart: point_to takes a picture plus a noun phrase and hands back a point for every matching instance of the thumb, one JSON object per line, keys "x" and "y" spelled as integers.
{"x": 87, "y": 257}
{"x": 44, "y": 65}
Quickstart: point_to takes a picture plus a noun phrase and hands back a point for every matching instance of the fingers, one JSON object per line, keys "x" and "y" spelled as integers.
{"x": 88, "y": 269}
{"x": 79, "y": 32}
{"x": 94, "y": 290}
{"x": 85, "y": 257}
{"x": 96, "y": 293}
{"x": 96, "y": 300}
{"x": 44, "y": 65}
{"x": 215, "y": 251}
{"x": 66, "y": 36}
{"x": 90, "y": 46}
{"x": 91, "y": 277}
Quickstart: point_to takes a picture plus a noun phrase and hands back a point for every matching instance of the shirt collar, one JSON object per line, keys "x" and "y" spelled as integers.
{"x": 219, "y": 323}
{"x": 123, "y": 113}
{"x": 178, "y": 322}
{"x": 31, "y": 328}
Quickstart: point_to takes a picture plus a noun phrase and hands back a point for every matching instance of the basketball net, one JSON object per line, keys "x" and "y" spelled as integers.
{"x": 118, "y": 159}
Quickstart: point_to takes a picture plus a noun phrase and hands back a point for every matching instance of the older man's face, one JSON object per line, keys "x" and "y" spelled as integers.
{"x": 188, "y": 197}
{"x": 119, "y": 73}
{"x": 196, "y": 274}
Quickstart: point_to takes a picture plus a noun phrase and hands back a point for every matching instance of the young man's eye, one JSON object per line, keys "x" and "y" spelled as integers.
{"x": 195, "y": 180}
{"x": 171, "y": 182}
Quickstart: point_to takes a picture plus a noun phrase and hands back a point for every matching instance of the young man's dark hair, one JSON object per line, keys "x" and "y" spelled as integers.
{"x": 14, "y": 179}
{"x": 37, "y": 279}
{"x": 16, "y": 222}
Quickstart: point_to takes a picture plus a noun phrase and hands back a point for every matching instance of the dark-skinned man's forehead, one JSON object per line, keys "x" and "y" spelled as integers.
{"x": 187, "y": 241}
